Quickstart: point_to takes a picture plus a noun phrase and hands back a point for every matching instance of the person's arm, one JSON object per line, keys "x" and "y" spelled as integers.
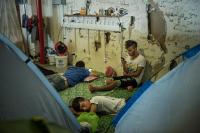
{"x": 124, "y": 65}
{"x": 93, "y": 73}
{"x": 93, "y": 108}
{"x": 135, "y": 73}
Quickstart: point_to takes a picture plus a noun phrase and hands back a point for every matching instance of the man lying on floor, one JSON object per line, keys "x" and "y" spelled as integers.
{"x": 72, "y": 76}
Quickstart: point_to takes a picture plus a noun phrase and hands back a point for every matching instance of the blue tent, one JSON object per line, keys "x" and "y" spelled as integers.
{"x": 171, "y": 104}
{"x": 25, "y": 92}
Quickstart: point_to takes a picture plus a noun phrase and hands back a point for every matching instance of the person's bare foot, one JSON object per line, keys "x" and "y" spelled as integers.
{"x": 130, "y": 88}
{"x": 91, "y": 88}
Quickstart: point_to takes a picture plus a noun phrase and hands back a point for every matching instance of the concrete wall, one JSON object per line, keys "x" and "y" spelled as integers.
{"x": 175, "y": 27}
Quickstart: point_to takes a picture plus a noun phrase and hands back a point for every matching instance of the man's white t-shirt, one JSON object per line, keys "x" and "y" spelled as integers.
{"x": 133, "y": 64}
{"x": 108, "y": 104}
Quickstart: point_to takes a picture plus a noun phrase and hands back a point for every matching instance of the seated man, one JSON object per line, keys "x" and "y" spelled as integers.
{"x": 97, "y": 104}
{"x": 133, "y": 70}
{"x": 72, "y": 76}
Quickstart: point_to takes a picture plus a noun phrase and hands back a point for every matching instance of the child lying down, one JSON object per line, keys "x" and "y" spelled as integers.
{"x": 97, "y": 104}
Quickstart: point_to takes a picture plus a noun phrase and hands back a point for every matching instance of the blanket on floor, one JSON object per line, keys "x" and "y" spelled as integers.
{"x": 82, "y": 90}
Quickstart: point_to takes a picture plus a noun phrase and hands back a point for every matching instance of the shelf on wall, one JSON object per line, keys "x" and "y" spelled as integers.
{"x": 93, "y": 22}
{"x": 78, "y": 15}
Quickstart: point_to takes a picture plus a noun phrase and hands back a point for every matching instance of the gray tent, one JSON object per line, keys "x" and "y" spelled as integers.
{"x": 25, "y": 92}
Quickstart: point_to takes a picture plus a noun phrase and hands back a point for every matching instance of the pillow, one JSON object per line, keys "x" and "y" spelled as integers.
{"x": 89, "y": 119}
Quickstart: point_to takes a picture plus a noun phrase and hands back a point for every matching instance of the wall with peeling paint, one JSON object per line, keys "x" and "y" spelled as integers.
{"x": 106, "y": 53}
{"x": 182, "y": 25}
{"x": 175, "y": 27}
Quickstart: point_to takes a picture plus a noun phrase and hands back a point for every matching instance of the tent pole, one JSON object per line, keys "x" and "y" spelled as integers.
{"x": 40, "y": 30}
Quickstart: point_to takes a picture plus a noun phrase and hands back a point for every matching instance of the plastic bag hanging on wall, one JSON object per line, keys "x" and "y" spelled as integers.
{"x": 97, "y": 45}
{"x": 107, "y": 35}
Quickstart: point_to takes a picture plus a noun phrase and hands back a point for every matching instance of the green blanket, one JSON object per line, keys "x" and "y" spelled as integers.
{"x": 81, "y": 89}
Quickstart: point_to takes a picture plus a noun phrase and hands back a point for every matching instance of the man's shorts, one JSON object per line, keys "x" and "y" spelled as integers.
{"x": 58, "y": 81}
{"x": 126, "y": 81}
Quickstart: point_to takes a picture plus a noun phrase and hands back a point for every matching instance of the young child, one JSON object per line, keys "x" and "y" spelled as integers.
{"x": 97, "y": 104}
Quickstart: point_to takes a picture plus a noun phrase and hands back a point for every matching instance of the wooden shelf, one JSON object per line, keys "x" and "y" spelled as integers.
{"x": 78, "y": 15}
{"x": 107, "y": 23}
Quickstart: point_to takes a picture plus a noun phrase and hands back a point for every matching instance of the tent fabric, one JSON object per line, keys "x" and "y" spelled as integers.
{"x": 171, "y": 104}
{"x": 191, "y": 52}
{"x": 136, "y": 95}
{"x": 25, "y": 92}
{"x": 33, "y": 125}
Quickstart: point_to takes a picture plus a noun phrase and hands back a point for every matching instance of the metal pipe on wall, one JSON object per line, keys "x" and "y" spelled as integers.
{"x": 40, "y": 30}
